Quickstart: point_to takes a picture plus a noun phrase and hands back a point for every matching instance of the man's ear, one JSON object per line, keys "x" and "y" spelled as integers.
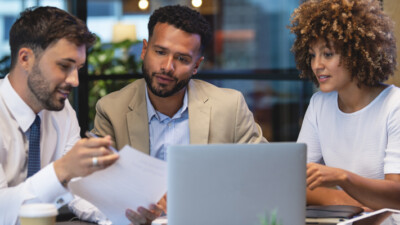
{"x": 26, "y": 58}
{"x": 144, "y": 49}
{"x": 197, "y": 64}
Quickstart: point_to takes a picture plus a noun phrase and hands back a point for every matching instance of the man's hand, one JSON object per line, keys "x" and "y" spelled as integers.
{"x": 146, "y": 216}
{"x": 323, "y": 176}
{"x": 79, "y": 161}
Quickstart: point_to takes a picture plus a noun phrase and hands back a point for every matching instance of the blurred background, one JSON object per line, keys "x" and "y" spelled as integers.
{"x": 250, "y": 53}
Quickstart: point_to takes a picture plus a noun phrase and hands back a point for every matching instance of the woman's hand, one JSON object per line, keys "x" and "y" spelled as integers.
{"x": 323, "y": 176}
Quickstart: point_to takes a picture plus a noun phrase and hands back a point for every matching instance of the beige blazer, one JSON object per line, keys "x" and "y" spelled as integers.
{"x": 216, "y": 115}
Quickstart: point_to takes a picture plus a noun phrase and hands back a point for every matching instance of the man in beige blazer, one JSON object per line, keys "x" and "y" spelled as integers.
{"x": 216, "y": 115}
{"x": 167, "y": 107}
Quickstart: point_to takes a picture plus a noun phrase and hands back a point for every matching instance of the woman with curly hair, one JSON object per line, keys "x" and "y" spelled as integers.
{"x": 352, "y": 125}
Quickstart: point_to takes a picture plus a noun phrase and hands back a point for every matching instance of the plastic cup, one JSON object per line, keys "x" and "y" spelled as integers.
{"x": 38, "y": 214}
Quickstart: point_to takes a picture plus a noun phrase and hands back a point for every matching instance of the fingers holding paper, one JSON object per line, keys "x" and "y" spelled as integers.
{"x": 144, "y": 216}
{"x": 163, "y": 203}
{"x": 85, "y": 157}
{"x": 323, "y": 176}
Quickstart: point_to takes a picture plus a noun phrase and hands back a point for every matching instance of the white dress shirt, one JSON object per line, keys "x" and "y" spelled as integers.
{"x": 59, "y": 132}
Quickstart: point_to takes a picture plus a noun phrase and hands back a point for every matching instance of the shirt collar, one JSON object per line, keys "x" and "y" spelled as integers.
{"x": 151, "y": 112}
{"x": 22, "y": 113}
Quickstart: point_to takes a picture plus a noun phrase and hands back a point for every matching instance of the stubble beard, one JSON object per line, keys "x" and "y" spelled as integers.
{"x": 160, "y": 92}
{"x": 39, "y": 87}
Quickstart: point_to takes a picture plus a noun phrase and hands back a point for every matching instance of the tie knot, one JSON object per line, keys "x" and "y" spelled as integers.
{"x": 36, "y": 122}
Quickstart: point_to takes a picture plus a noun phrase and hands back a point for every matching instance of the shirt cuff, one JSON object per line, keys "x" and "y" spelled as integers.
{"x": 48, "y": 188}
{"x": 85, "y": 210}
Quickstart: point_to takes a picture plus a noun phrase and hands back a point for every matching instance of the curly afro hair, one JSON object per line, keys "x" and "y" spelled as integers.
{"x": 357, "y": 29}
{"x": 184, "y": 18}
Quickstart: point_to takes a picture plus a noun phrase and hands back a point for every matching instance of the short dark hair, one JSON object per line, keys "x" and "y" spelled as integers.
{"x": 358, "y": 29}
{"x": 39, "y": 27}
{"x": 184, "y": 18}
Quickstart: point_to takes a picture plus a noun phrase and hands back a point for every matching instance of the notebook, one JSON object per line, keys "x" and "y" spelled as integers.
{"x": 236, "y": 184}
{"x": 331, "y": 213}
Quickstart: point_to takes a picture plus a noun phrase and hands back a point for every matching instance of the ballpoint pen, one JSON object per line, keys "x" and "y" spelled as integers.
{"x": 91, "y": 135}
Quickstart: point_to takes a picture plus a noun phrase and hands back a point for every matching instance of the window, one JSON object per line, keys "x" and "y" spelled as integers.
{"x": 100, "y": 9}
{"x": 8, "y": 22}
{"x": 250, "y": 53}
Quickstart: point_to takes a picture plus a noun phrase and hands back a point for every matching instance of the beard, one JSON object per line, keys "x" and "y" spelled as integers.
{"x": 161, "y": 90}
{"x": 40, "y": 88}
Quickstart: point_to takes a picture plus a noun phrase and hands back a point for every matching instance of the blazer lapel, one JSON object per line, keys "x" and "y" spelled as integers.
{"x": 199, "y": 115}
{"x": 138, "y": 126}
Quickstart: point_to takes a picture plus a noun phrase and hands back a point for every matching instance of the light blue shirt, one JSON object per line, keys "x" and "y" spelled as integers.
{"x": 165, "y": 131}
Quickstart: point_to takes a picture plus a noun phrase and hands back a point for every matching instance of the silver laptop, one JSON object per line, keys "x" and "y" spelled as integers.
{"x": 236, "y": 184}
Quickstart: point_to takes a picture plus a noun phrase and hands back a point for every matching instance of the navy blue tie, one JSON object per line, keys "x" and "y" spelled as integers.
{"x": 34, "y": 147}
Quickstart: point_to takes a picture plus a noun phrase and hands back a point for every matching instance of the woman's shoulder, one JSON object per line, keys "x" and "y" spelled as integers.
{"x": 323, "y": 103}
{"x": 323, "y": 97}
{"x": 391, "y": 95}
{"x": 393, "y": 90}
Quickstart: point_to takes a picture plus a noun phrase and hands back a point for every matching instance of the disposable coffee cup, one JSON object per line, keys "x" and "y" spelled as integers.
{"x": 38, "y": 214}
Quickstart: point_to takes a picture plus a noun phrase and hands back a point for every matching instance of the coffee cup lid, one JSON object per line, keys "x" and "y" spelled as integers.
{"x": 38, "y": 210}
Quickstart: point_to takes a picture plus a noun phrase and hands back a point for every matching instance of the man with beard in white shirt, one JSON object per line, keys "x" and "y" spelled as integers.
{"x": 48, "y": 47}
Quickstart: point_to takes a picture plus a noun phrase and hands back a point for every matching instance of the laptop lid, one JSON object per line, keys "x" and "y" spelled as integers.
{"x": 236, "y": 184}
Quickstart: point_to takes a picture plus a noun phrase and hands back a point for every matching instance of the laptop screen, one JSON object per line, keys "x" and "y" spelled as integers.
{"x": 236, "y": 184}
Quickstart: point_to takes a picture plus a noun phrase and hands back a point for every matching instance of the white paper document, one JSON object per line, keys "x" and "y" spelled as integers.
{"x": 160, "y": 221}
{"x": 369, "y": 215}
{"x": 136, "y": 179}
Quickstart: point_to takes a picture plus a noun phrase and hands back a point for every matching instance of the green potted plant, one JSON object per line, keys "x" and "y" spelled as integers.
{"x": 271, "y": 219}
{"x": 110, "y": 59}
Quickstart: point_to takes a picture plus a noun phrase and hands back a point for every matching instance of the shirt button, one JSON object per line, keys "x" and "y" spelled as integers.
{"x": 60, "y": 201}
